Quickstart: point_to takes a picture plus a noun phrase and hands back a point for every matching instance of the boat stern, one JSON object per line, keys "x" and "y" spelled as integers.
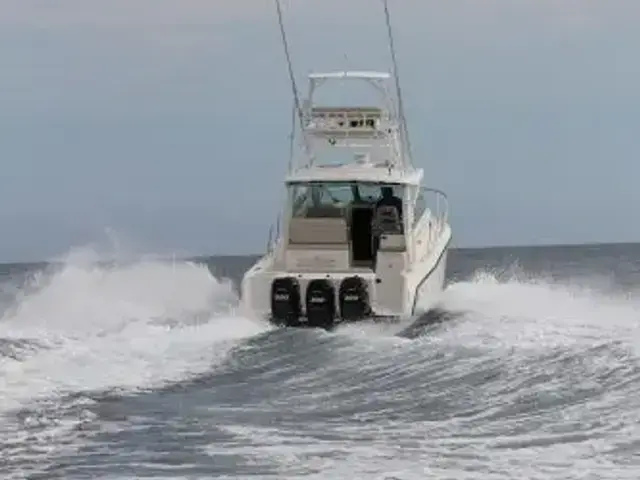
{"x": 319, "y": 299}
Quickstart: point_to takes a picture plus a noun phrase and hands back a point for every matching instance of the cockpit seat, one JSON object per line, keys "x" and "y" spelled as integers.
{"x": 386, "y": 219}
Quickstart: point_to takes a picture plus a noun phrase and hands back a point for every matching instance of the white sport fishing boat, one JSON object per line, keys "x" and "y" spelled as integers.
{"x": 358, "y": 239}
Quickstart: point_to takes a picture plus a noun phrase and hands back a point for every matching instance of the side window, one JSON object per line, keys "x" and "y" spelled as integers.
{"x": 300, "y": 200}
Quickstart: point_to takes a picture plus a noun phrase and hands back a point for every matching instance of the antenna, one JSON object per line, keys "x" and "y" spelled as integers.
{"x": 397, "y": 79}
{"x": 294, "y": 88}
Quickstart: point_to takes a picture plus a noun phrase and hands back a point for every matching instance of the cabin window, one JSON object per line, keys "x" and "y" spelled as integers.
{"x": 329, "y": 199}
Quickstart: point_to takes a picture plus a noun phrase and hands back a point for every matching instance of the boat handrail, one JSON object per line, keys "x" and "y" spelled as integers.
{"x": 273, "y": 239}
{"x": 439, "y": 208}
{"x": 269, "y": 239}
{"x": 442, "y": 203}
{"x": 430, "y": 217}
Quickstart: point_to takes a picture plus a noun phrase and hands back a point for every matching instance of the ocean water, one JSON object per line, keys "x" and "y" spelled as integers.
{"x": 142, "y": 368}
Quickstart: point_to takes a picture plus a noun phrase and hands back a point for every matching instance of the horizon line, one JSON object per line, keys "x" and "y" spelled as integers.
{"x": 200, "y": 257}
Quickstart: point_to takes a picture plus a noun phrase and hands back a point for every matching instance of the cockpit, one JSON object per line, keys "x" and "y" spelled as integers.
{"x": 366, "y": 211}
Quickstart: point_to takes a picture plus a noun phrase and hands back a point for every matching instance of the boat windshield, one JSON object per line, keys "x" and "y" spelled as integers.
{"x": 328, "y": 199}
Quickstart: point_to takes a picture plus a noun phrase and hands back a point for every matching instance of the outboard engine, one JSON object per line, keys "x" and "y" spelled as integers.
{"x": 285, "y": 301}
{"x": 321, "y": 303}
{"x": 354, "y": 299}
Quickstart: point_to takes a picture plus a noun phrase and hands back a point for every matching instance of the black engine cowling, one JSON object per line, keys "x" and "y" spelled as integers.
{"x": 354, "y": 299}
{"x": 321, "y": 303}
{"x": 285, "y": 301}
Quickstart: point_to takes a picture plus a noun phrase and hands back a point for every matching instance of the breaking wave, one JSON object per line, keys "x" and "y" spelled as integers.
{"x": 86, "y": 325}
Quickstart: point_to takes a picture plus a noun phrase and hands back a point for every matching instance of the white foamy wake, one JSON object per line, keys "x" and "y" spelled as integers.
{"x": 133, "y": 325}
{"x": 539, "y": 313}
{"x": 514, "y": 324}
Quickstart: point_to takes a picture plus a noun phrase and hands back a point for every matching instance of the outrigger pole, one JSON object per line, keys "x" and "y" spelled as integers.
{"x": 294, "y": 87}
{"x": 405, "y": 132}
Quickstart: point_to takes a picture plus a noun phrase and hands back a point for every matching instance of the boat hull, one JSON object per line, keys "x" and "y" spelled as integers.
{"x": 319, "y": 299}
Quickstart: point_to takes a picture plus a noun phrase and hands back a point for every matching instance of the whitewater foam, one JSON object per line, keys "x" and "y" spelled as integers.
{"x": 132, "y": 326}
{"x": 538, "y": 313}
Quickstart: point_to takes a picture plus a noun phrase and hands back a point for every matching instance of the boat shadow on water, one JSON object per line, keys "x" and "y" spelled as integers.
{"x": 429, "y": 322}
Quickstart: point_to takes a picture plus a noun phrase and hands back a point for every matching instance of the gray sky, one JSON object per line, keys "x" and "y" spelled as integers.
{"x": 166, "y": 121}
